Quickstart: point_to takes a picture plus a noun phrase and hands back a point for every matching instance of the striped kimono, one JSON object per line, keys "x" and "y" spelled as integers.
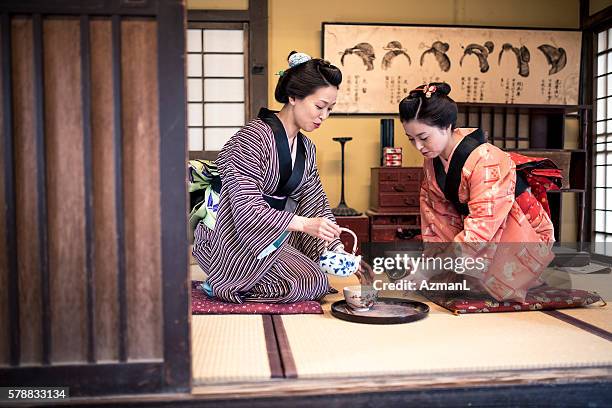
{"x": 250, "y": 255}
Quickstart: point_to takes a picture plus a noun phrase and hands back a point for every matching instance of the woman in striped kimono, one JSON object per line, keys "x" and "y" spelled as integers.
{"x": 473, "y": 197}
{"x": 274, "y": 218}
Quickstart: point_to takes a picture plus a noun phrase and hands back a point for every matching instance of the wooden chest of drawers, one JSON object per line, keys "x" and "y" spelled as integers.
{"x": 388, "y": 227}
{"x": 395, "y": 188}
{"x": 394, "y": 213}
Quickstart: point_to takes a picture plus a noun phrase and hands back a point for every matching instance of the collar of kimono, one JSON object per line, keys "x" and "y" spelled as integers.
{"x": 289, "y": 178}
{"x": 463, "y": 132}
{"x": 449, "y": 182}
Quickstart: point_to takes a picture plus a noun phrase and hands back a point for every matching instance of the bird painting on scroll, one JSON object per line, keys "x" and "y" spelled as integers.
{"x": 381, "y": 63}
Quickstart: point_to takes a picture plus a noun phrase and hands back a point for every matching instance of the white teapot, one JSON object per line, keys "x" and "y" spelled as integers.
{"x": 340, "y": 263}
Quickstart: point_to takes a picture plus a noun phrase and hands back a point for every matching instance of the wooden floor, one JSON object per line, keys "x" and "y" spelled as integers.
{"x": 319, "y": 354}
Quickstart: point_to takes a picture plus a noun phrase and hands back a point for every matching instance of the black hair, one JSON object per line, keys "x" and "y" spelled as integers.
{"x": 430, "y": 104}
{"x": 304, "y": 79}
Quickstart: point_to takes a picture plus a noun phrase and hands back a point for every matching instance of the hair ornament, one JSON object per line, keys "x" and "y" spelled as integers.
{"x": 298, "y": 58}
{"x": 429, "y": 89}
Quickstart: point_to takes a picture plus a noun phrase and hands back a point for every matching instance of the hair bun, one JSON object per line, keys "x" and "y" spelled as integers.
{"x": 304, "y": 76}
{"x": 442, "y": 88}
{"x": 430, "y": 89}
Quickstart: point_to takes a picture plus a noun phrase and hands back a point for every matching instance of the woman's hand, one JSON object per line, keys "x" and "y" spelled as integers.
{"x": 321, "y": 228}
{"x": 365, "y": 274}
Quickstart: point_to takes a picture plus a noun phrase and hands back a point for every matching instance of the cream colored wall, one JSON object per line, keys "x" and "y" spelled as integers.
{"x": 297, "y": 25}
{"x": 598, "y": 5}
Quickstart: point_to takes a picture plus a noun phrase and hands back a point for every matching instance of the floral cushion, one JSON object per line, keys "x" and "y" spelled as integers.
{"x": 541, "y": 298}
{"x": 202, "y": 304}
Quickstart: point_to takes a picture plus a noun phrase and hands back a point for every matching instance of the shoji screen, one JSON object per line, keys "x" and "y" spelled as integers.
{"x": 217, "y": 84}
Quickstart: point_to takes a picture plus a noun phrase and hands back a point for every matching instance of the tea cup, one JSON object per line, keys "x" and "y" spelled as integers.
{"x": 360, "y": 298}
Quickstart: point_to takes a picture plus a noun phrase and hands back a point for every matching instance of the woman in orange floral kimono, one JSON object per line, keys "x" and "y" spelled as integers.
{"x": 481, "y": 216}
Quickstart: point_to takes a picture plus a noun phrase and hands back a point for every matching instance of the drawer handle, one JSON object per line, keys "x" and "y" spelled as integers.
{"x": 399, "y": 189}
{"x": 402, "y": 233}
{"x": 409, "y": 201}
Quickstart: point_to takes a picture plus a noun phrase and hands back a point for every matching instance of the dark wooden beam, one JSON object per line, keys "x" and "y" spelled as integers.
{"x": 10, "y": 203}
{"x": 218, "y": 15}
{"x": 88, "y": 184}
{"x": 79, "y": 7}
{"x": 89, "y": 380}
{"x": 584, "y": 11}
{"x": 174, "y": 204}
{"x": 258, "y": 55}
{"x": 41, "y": 185}
{"x": 119, "y": 187}
{"x": 203, "y": 155}
{"x": 599, "y": 20}
{"x": 592, "y": 392}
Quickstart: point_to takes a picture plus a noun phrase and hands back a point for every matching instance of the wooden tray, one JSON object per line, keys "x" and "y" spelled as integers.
{"x": 384, "y": 311}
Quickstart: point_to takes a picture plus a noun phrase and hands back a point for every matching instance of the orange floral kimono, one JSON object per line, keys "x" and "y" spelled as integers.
{"x": 515, "y": 241}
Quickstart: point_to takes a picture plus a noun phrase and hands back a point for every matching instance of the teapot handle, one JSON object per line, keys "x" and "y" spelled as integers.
{"x": 354, "y": 238}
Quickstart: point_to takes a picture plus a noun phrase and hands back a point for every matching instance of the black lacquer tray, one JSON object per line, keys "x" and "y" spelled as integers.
{"x": 384, "y": 311}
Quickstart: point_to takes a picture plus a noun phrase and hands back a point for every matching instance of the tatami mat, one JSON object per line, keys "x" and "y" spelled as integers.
{"x": 228, "y": 348}
{"x": 597, "y": 316}
{"x": 594, "y": 282}
{"x": 323, "y": 346}
{"x": 232, "y": 348}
